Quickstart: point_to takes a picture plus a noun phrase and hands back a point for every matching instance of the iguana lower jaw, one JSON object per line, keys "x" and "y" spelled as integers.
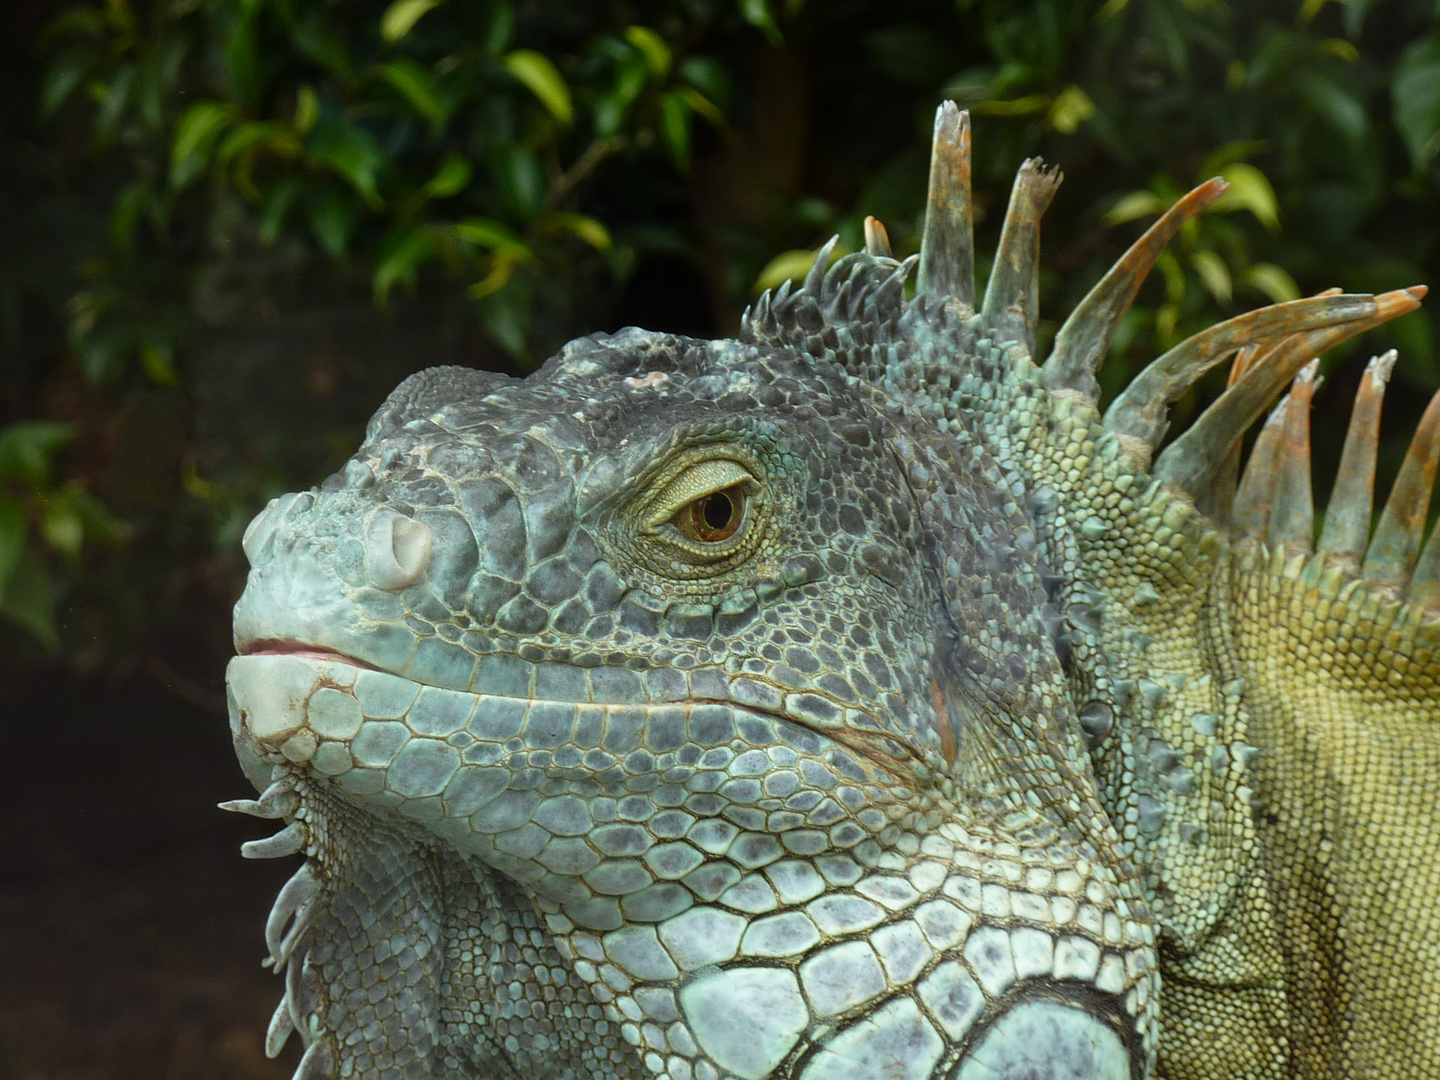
{"x": 726, "y": 838}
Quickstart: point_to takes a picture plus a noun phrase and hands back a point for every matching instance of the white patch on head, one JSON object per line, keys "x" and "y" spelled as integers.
{"x": 648, "y": 381}
{"x": 1045, "y": 1038}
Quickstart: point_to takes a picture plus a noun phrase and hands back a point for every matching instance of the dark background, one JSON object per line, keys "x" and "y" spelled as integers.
{"x": 229, "y": 227}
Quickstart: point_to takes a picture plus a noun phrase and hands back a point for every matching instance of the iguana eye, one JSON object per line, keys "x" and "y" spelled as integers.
{"x": 712, "y": 518}
{"x": 709, "y": 509}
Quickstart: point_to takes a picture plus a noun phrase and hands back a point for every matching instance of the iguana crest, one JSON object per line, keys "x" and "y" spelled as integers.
{"x": 851, "y": 699}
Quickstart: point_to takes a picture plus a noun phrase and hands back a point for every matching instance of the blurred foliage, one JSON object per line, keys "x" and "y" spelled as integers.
{"x": 228, "y": 226}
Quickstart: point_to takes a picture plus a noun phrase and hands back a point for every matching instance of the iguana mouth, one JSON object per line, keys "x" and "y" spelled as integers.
{"x": 285, "y": 647}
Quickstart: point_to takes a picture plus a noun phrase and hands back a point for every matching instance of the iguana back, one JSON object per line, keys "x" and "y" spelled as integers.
{"x": 853, "y": 700}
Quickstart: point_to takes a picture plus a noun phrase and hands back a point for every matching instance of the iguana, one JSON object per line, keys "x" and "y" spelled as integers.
{"x": 852, "y": 699}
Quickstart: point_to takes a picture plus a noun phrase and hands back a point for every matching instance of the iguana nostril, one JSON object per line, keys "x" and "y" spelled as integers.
{"x": 397, "y": 549}
{"x": 262, "y": 527}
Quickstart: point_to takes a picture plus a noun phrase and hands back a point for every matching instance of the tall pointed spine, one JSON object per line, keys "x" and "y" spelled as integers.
{"x": 1346, "y": 534}
{"x": 1425, "y": 582}
{"x": 1189, "y": 464}
{"x": 1219, "y": 501}
{"x": 877, "y": 238}
{"x": 1083, "y": 341}
{"x": 1396, "y": 543}
{"x": 1292, "y": 517}
{"x": 1012, "y": 298}
{"x": 1141, "y": 410}
{"x": 947, "y": 245}
{"x": 1251, "y": 513}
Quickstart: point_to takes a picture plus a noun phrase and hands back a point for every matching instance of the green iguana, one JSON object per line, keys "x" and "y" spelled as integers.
{"x": 851, "y": 699}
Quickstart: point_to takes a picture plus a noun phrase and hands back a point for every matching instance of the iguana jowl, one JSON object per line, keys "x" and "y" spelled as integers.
{"x": 852, "y": 700}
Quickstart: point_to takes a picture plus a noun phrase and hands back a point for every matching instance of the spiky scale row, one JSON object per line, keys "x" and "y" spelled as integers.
{"x": 1012, "y": 298}
{"x": 1348, "y": 517}
{"x": 1191, "y": 462}
{"x": 1250, "y": 515}
{"x": 1274, "y": 504}
{"x": 1140, "y": 412}
{"x": 1396, "y": 544}
{"x": 947, "y": 247}
{"x": 1084, "y": 339}
{"x": 1292, "y": 518}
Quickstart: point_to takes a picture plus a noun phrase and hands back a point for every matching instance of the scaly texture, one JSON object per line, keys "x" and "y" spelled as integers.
{"x": 851, "y": 700}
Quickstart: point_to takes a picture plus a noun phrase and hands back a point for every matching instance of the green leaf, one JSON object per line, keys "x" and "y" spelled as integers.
{"x": 401, "y": 16}
{"x": 1274, "y": 282}
{"x": 26, "y": 448}
{"x": 1239, "y": 150}
{"x": 1415, "y": 98}
{"x": 195, "y": 135}
{"x": 492, "y": 235}
{"x": 157, "y": 361}
{"x": 1249, "y": 190}
{"x": 272, "y": 134}
{"x": 1355, "y": 12}
{"x": 351, "y": 152}
{"x": 520, "y": 178}
{"x": 62, "y": 528}
{"x": 757, "y": 14}
{"x": 1028, "y": 105}
{"x": 130, "y": 204}
{"x": 586, "y": 228}
{"x": 113, "y": 99}
{"x": 1135, "y": 205}
{"x": 13, "y": 530}
{"x": 1333, "y": 102}
{"x": 1339, "y": 48}
{"x": 1174, "y": 275}
{"x": 708, "y": 76}
{"x": 652, "y": 46}
{"x": 675, "y": 127}
{"x": 276, "y": 205}
{"x": 1071, "y": 108}
{"x": 501, "y": 29}
{"x": 29, "y": 599}
{"x": 1214, "y": 274}
{"x": 417, "y": 86}
{"x": 450, "y": 179}
{"x": 242, "y": 66}
{"x": 61, "y": 79}
{"x": 502, "y": 269}
{"x": 316, "y": 41}
{"x": 539, "y": 75}
{"x": 307, "y": 108}
{"x": 332, "y": 220}
{"x": 699, "y": 103}
{"x": 506, "y": 318}
{"x": 399, "y": 261}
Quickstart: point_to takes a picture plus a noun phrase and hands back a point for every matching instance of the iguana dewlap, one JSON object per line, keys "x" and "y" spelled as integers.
{"x": 852, "y": 700}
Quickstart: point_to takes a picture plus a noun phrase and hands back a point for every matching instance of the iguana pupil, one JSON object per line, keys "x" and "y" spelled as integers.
{"x": 989, "y": 749}
{"x": 716, "y": 516}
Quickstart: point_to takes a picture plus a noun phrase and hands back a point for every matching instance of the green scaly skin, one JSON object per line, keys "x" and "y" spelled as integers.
{"x": 936, "y": 765}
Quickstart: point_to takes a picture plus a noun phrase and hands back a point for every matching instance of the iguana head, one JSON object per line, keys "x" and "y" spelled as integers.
{"x": 735, "y": 708}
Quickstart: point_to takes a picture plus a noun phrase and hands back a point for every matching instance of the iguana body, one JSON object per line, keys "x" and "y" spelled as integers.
{"x": 849, "y": 700}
